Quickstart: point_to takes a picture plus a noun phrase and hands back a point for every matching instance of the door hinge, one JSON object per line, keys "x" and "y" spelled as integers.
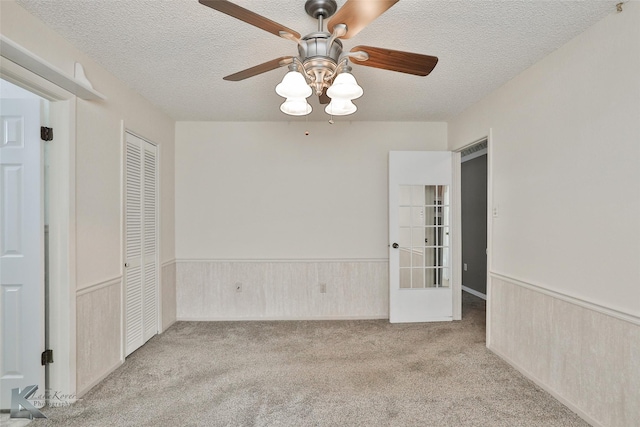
{"x": 46, "y": 134}
{"x": 47, "y": 357}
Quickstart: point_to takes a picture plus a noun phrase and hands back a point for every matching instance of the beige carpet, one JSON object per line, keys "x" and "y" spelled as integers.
{"x": 318, "y": 373}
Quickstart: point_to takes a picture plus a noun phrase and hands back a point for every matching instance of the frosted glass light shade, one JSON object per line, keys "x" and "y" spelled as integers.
{"x": 296, "y": 107}
{"x": 345, "y": 87}
{"x": 340, "y": 107}
{"x": 293, "y": 85}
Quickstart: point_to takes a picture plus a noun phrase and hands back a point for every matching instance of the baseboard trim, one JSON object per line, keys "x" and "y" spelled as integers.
{"x": 278, "y": 319}
{"x": 293, "y": 260}
{"x": 96, "y": 286}
{"x": 474, "y": 292}
{"x": 95, "y": 382}
{"x": 548, "y": 389}
{"x": 627, "y": 317}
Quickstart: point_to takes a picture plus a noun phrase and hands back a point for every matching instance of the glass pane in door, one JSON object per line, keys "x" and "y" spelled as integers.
{"x": 424, "y": 236}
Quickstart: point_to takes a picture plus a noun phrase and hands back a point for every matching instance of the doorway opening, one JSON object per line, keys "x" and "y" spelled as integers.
{"x": 474, "y": 223}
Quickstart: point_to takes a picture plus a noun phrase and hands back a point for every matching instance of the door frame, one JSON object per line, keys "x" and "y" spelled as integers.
{"x": 457, "y": 221}
{"x": 61, "y": 319}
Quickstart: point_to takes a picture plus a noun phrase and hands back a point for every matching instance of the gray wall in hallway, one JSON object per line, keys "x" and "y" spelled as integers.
{"x": 474, "y": 223}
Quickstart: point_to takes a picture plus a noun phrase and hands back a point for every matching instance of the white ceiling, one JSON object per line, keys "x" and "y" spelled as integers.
{"x": 175, "y": 52}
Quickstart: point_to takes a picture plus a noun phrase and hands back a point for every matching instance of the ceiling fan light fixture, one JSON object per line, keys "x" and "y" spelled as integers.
{"x": 321, "y": 66}
{"x": 296, "y": 106}
{"x": 345, "y": 87}
{"x": 340, "y": 107}
{"x": 293, "y": 85}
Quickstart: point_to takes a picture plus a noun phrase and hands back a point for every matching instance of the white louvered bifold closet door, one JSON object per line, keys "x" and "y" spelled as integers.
{"x": 141, "y": 243}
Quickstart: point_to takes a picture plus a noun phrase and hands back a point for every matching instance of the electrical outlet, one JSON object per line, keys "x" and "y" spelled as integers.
{"x": 465, "y": 266}
{"x": 323, "y": 288}
{"x": 238, "y": 286}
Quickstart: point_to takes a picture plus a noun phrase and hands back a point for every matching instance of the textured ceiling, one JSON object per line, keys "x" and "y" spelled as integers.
{"x": 175, "y": 52}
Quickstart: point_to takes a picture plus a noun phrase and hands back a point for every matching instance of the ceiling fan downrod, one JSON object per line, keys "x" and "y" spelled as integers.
{"x": 320, "y": 10}
{"x": 320, "y": 52}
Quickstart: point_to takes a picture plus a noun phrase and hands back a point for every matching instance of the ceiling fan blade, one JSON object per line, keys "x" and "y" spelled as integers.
{"x": 323, "y": 98}
{"x": 395, "y": 60}
{"x": 259, "y": 69}
{"x": 248, "y": 16}
{"x": 357, "y": 14}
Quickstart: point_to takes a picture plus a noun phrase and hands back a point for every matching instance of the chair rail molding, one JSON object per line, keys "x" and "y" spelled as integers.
{"x": 628, "y": 317}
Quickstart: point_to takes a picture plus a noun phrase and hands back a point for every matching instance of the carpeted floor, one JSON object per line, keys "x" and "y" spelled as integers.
{"x": 317, "y": 373}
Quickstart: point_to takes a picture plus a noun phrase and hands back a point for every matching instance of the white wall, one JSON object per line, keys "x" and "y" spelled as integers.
{"x": 566, "y": 182}
{"x": 265, "y": 191}
{"x": 566, "y": 166}
{"x": 98, "y": 190}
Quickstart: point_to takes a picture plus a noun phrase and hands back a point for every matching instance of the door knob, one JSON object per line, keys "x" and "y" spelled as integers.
{"x": 126, "y": 264}
{"x": 395, "y": 246}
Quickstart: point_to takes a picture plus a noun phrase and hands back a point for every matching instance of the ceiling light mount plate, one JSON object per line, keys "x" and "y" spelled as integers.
{"x": 318, "y": 8}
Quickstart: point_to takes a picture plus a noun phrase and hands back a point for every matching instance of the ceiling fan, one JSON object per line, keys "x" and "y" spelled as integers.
{"x": 322, "y": 66}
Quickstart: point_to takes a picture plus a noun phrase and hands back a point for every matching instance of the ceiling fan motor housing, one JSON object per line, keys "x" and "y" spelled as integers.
{"x": 320, "y": 59}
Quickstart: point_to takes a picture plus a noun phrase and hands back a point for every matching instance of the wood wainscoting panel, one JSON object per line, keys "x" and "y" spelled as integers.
{"x": 280, "y": 290}
{"x": 586, "y": 358}
{"x": 99, "y": 333}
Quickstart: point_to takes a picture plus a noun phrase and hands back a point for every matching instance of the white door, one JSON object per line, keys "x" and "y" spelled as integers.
{"x": 419, "y": 236}
{"x": 141, "y": 243}
{"x": 21, "y": 248}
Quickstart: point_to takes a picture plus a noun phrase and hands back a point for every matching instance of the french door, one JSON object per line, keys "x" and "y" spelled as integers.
{"x": 420, "y": 236}
{"x": 141, "y": 242}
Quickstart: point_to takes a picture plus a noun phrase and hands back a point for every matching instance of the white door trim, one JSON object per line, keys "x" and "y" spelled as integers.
{"x": 456, "y": 235}
{"x": 490, "y": 203}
